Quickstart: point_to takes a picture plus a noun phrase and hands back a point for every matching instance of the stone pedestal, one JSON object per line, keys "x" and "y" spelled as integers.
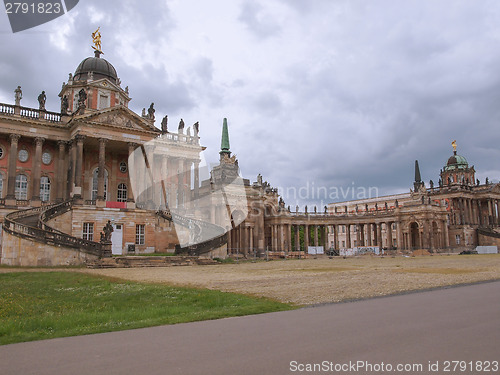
{"x": 106, "y": 249}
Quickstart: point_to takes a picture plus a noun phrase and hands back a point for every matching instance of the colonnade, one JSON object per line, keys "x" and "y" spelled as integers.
{"x": 36, "y": 170}
{"x": 468, "y": 211}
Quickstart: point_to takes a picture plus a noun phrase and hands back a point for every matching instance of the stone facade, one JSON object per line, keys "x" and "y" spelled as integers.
{"x": 115, "y": 166}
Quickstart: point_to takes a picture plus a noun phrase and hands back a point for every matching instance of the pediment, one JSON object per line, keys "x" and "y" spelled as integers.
{"x": 120, "y": 117}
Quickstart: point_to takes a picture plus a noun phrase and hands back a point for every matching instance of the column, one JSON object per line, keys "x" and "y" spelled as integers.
{"x": 379, "y": 236}
{"x": 100, "y": 173}
{"x": 196, "y": 179}
{"x": 471, "y": 214}
{"x": 446, "y": 235}
{"x": 289, "y": 237}
{"x": 37, "y": 169}
{"x": 498, "y": 211}
{"x": 494, "y": 211}
{"x": 11, "y": 185}
{"x": 282, "y": 237}
{"x": 60, "y": 171}
{"x": 243, "y": 239}
{"x": 358, "y": 235}
{"x": 164, "y": 180}
{"x": 480, "y": 213}
{"x": 172, "y": 184}
{"x": 79, "y": 167}
{"x": 473, "y": 211}
{"x": 180, "y": 183}
{"x": 399, "y": 236}
{"x": 70, "y": 180}
{"x": 348, "y": 236}
{"x": 250, "y": 239}
{"x": 325, "y": 237}
{"x": 425, "y": 235}
{"x": 389, "y": 235}
{"x": 297, "y": 237}
{"x": 369, "y": 234}
{"x": 132, "y": 173}
{"x": 336, "y": 236}
{"x": 229, "y": 242}
{"x": 306, "y": 237}
{"x": 490, "y": 213}
{"x": 187, "y": 182}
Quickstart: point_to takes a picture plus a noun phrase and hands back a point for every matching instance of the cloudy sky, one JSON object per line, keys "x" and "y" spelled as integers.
{"x": 333, "y": 93}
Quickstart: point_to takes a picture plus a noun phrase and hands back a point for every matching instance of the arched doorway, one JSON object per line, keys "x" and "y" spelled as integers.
{"x": 414, "y": 236}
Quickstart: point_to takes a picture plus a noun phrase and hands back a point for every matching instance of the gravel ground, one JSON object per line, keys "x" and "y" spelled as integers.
{"x": 323, "y": 280}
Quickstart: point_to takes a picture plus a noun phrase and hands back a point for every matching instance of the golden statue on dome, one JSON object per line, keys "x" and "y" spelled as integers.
{"x": 454, "y": 144}
{"x": 96, "y": 38}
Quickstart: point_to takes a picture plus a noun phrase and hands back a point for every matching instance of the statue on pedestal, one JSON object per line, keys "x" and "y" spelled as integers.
{"x": 18, "y": 95}
{"x": 41, "y": 101}
{"x": 164, "y": 125}
{"x": 107, "y": 229}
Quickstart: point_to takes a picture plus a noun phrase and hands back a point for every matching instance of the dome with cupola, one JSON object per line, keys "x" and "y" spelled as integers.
{"x": 97, "y": 67}
{"x": 456, "y": 162}
{"x": 457, "y": 170}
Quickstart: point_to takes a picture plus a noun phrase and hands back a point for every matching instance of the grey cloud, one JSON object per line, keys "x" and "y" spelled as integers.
{"x": 259, "y": 22}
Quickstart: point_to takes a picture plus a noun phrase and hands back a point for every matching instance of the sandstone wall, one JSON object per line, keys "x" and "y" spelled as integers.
{"x": 19, "y": 251}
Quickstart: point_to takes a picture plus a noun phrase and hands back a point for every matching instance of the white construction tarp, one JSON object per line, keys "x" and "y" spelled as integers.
{"x": 487, "y": 249}
{"x": 314, "y": 250}
{"x": 360, "y": 251}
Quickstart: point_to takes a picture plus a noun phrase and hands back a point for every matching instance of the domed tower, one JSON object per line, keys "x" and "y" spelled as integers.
{"x": 94, "y": 86}
{"x": 457, "y": 170}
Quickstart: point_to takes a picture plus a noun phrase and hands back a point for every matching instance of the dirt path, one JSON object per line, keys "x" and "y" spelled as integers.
{"x": 314, "y": 281}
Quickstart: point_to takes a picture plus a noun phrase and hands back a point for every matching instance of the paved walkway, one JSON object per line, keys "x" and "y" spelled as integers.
{"x": 456, "y": 324}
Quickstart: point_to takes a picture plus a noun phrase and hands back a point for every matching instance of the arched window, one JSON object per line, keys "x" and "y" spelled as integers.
{"x": 95, "y": 180}
{"x": 21, "y": 187}
{"x": 45, "y": 189}
{"x": 122, "y": 193}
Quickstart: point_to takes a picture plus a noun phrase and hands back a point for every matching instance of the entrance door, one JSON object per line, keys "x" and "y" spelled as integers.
{"x": 117, "y": 239}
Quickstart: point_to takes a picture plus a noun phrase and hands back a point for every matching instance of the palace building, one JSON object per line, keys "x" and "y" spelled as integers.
{"x": 97, "y": 179}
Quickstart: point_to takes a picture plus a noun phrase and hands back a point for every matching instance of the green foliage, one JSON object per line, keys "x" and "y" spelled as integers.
{"x": 224, "y": 260}
{"x": 43, "y": 305}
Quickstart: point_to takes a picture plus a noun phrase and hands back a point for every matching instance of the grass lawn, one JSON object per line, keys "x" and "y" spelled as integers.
{"x": 43, "y": 305}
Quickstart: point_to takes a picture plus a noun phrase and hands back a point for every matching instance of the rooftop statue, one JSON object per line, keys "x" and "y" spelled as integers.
{"x": 96, "y": 39}
{"x": 164, "y": 125}
{"x": 18, "y": 95}
{"x": 82, "y": 97}
{"x": 41, "y": 101}
{"x": 454, "y": 144}
{"x": 64, "y": 105}
{"x": 151, "y": 112}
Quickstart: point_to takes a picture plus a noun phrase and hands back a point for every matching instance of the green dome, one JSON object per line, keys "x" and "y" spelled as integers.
{"x": 456, "y": 162}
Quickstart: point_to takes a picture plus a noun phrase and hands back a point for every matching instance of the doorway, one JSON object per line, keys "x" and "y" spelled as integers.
{"x": 117, "y": 239}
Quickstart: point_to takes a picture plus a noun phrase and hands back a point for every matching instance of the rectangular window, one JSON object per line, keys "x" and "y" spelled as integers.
{"x": 88, "y": 231}
{"x": 140, "y": 230}
{"x": 457, "y": 239}
{"x": 343, "y": 228}
{"x": 343, "y": 244}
